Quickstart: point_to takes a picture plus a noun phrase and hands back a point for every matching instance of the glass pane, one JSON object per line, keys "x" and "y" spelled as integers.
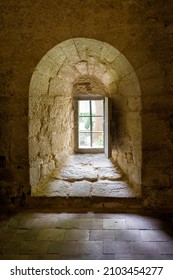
{"x": 84, "y": 108}
{"x": 97, "y": 107}
{"x": 97, "y": 140}
{"x": 97, "y": 124}
{"x": 84, "y": 124}
{"x": 84, "y": 140}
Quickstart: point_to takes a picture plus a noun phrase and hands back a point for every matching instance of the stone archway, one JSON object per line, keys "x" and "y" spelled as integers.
{"x": 51, "y": 124}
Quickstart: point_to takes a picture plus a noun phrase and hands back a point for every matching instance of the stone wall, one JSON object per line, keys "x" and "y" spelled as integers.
{"x": 140, "y": 30}
{"x": 51, "y": 109}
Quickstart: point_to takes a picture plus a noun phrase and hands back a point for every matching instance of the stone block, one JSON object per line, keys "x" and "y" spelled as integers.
{"x": 78, "y": 173}
{"x": 46, "y": 67}
{"x": 129, "y": 86}
{"x": 114, "y": 224}
{"x": 51, "y": 234}
{"x": 7, "y": 234}
{"x": 26, "y": 234}
{"x": 53, "y": 189}
{"x": 154, "y": 235}
{"x": 116, "y": 247}
{"x": 80, "y": 189}
{"x": 97, "y": 235}
{"x": 20, "y": 223}
{"x": 9, "y": 247}
{"x": 81, "y": 49}
{"x": 34, "y": 247}
{"x": 134, "y": 104}
{"x": 144, "y": 248}
{"x": 63, "y": 248}
{"x": 89, "y": 247}
{"x": 39, "y": 85}
{"x": 166, "y": 248}
{"x": 77, "y": 234}
{"x": 82, "y": 67}
{"x": 109, "y": 54}
{"x": 108, "y": 173}
{"x": 107, "y": 189}
{"x": 127, "y": 235}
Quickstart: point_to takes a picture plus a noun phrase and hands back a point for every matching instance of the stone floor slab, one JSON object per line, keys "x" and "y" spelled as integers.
{"x": 80, "y": 223}
{"x": 34, "y": 247}
{"x": 116, "y": 247}
{"x": 155, "y": 235}
{"x": 7, "y": 234}
{"x": 43, "y": 223}
{"x": 77, "y": 235}
{"x": 89, "y": 247}
{"x": 165, "y": 247}
{"x": 102, "y": 235}
{"x": 51, "y": 234}
{"x": 26, "y": 234}
{"x": 127, "y": 235}
{"x": 63, "y": 248}
{"x": 21, "y": 223}
{"x": 114, "y": 224}
{"x": 144, "y": 248}
{"x": 134, "y": 221}
{"x": 9, "y": 247}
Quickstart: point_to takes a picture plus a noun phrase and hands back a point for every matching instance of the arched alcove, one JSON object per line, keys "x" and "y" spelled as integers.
{"x": 51, "y": 112}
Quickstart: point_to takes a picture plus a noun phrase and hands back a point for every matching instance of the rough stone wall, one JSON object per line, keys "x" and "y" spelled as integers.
{"x": 51, "y": 113}
{"x": 141, "y": 30}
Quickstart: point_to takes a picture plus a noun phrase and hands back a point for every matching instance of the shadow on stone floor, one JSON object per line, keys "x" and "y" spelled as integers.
{"x": 36, "y": 235}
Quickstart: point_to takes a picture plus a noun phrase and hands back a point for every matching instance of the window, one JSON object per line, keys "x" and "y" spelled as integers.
{"x": 91, "y": 129}
{"x": 90, "y": 124}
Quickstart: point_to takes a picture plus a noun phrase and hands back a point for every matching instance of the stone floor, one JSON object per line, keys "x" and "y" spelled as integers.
{"x": 33, "y": 235}
{"x": 85, "y": 175}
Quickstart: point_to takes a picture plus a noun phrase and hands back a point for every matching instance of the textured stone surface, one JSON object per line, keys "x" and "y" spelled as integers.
{"x": 80, "y": 189}
{"x": 57, "y": 131}
{"x": 109, "y": 189}
{"x": 86, "y": 236}
{"x": 82, "y": 177}
{"x": 78, "y": 173}
{"x": 139, "y": 30}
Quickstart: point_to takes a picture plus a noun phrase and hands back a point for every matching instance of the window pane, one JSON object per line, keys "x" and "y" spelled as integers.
{"x": 97, "y": 140}
{"x": 97, "y": 124}
{"x": 90, "y": 124}
{"x": 84, "y": 124}
{"x": 97, "y": 107}
{"x": 84, "y": 140}
{"x": 84, "y": 108}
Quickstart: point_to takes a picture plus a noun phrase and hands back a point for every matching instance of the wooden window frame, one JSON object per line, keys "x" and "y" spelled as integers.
{"x": 106, "y": 117}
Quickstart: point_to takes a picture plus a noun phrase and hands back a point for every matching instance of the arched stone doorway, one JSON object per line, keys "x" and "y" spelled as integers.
{"x": 51, "y": 112}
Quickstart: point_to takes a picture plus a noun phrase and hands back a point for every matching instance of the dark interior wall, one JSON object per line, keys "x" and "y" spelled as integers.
{"x": 141, "y": 30}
